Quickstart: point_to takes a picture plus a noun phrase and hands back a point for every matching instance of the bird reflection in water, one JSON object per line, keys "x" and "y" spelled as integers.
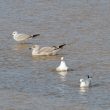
{"x": 53, "y": 57}
{"x": 83, "y": 90}
{"x": 63, "y": 75}
{"x": 21, "y": 46}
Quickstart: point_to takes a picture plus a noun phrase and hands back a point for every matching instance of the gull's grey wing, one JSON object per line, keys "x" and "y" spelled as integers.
{"x": 21, "y": 37}
{"x": 46, "y": 49}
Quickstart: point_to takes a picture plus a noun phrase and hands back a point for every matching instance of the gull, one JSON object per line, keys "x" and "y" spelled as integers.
{"x": 22, "y": 37}
{"x": 37, "y": 50}
{"x": 62, "y": 66}
{"x": 85, "y": 82}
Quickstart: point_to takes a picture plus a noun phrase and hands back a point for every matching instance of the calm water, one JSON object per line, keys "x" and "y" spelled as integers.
{"x": 28, "y": 83}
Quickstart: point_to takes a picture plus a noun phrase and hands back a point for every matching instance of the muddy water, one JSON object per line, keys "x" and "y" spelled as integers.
{"x": 29, "y": 83}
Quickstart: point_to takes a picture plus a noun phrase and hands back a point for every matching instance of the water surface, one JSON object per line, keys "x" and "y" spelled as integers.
{"x": 28, "y": 83}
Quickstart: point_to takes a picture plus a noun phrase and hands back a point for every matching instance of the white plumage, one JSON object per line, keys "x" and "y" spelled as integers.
{"x": 37, "y": 50}
{"x": 85, "y": 82}
{"x": 62, "y": 66}
{"x": 22, "y": 37}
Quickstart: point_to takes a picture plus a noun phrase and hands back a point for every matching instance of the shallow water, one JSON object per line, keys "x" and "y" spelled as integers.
{"x": 29, "y": 83}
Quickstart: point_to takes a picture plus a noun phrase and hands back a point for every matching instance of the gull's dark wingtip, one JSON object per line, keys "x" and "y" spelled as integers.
{"x": 35, "y": 35}
{"x": 61, "y": 46}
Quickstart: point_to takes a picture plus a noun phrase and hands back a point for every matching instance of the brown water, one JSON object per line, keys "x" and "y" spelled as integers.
{"x": 28, "y": 83}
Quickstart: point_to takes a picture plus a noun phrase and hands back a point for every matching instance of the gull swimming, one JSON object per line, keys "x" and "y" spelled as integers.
{"x": 62, "y": 66}
{"x": 85, "y": 82}
{"x": 37, "y": 50}
{"x": 22, "y": 37}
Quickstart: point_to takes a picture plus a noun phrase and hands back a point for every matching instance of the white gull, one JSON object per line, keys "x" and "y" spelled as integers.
{"x": 62, "y": 66}
{"x": 37, "y": 50}
{"x": 22, "y": 37}
{"x": 85, "y": 82}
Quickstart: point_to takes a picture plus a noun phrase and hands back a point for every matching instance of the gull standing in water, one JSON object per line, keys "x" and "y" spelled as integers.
{"x": 85, "y": 82}
{"x": 62, "y": 66}
{"x": 22, "y": 37}
{"x": 37, "y": 50}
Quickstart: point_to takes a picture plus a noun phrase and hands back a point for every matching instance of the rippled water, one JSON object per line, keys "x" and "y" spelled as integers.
{"x": 28, "y": 83}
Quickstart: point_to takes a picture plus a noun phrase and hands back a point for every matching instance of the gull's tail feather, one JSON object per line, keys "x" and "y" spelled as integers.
{"x": 88, "y": 76}
{"x": 35, "y": 35}
{"x": 61, "y": 46}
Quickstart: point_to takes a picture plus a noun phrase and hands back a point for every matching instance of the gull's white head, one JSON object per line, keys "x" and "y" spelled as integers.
{"x": 62, "y": 58}
{"x": 81, "y": 80}
{"x": 14, "y": 33}
{"x": 82, "y": 83}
